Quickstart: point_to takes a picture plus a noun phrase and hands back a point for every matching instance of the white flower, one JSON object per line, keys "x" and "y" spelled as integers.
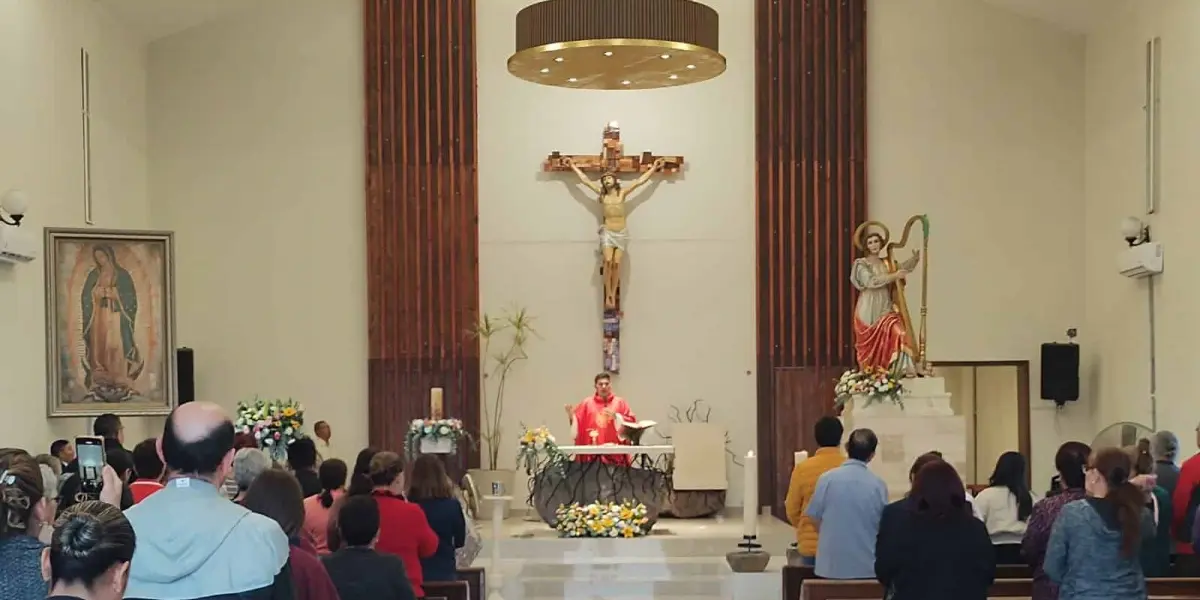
{"x": 444, "y": 430}
{"x": 288, "y": 431}
{"x": 269, "y": 442}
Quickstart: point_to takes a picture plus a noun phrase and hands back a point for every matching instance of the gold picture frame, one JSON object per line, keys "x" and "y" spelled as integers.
{"x": 110, "y": 322}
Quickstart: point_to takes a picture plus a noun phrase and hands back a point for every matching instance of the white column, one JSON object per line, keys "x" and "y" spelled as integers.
{"x": 492, "y": 574}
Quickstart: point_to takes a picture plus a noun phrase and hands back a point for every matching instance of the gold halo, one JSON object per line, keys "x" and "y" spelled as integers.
{"x": 617, "y": 64}
{"x": 858, "y": 234}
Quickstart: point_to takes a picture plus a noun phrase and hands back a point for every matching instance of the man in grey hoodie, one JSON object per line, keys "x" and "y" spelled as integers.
{"x": 193, "y": 543}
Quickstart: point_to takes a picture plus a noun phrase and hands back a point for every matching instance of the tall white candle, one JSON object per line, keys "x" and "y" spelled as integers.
{"x": 750, "y": 496}
{"x": 801, "y": 456}
{"x": 436, "y": 410}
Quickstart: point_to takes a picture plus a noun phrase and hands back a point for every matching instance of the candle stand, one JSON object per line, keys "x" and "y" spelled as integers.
{"x": 749, "y": 558}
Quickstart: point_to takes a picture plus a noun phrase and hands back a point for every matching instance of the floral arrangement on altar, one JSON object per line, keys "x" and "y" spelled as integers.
{"x": 275, "y": 424}
{"x": 537, "y": 441}
{"x": 602, "y": 519}
{"x": 434, "y": 431}
{"x": 873, "y": 383}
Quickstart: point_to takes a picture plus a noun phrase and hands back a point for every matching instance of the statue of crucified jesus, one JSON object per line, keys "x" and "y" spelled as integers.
{"x": 613, "y": 236}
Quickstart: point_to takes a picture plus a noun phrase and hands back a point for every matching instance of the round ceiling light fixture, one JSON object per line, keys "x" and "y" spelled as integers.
{"x": 617, "y": 44}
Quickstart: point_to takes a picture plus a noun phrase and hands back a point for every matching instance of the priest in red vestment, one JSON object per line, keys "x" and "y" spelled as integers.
{"x": 595, "y": 421}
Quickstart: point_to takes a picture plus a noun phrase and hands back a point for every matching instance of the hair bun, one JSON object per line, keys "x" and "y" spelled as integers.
{"x": 80, "y": 534}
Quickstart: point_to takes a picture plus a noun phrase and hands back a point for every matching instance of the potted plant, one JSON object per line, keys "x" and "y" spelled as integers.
{"x": 275, "y": 424}
{"x": 869, "y": 386}
{"x": 433, "y": 436}
{"x": 502, "y": 340}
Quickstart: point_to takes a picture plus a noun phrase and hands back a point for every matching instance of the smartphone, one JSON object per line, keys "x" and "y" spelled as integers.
{"x": 90, "y": 458}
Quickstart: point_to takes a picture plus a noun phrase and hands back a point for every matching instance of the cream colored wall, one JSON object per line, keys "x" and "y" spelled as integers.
{"x": 976, "y": 119}
{"x": 1115, "y": 339}
{"x": 257, "y": 163}
{"x": 41, "y": 153}
{"x": 689, "y": 296}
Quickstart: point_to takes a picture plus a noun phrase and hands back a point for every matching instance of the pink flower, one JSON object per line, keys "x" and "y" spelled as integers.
{"x": 276, "y": 435}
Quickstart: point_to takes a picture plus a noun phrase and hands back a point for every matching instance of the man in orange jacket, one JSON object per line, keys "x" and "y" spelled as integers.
{"x": 828, "y": 456}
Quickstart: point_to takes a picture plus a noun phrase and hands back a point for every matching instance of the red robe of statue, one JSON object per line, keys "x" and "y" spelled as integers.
{"x": 590, "y": 416}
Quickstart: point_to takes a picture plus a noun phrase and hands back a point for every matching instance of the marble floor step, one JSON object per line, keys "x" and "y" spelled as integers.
{"x": 679, "y": 568}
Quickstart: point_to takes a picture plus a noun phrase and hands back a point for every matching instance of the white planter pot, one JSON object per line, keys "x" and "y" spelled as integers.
{"x": 437, "y": 446}
{"x": 879, "y": 408}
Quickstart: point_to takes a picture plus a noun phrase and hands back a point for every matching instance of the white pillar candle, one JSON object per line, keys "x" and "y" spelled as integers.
{"x": 801, "y": 456}
{"x": 435, "y": 403}
{"x": 750, "y": 496}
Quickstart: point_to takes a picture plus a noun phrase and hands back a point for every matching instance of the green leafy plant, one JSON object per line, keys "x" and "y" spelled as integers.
{"x": 502, "y": 340}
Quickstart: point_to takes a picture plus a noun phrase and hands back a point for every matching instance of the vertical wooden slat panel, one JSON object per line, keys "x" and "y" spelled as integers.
{"x": 422, "y": 204}
{"x": 811, "y": 194}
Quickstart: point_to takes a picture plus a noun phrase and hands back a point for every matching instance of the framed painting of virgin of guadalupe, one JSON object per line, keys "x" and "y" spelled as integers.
{"x": 110, "y": 322}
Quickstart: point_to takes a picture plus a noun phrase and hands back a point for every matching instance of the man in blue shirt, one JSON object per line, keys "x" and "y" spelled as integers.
{"x": 846, "y": 507}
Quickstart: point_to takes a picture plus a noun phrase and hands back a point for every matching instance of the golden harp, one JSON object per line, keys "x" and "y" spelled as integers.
{"x": 917, "y": 341}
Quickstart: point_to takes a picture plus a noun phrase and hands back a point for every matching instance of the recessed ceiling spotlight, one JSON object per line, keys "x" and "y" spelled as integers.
{"x": 545, "y": 70}
{"x": 691, "y": 66}
{"x": 665, "y": 56}
{"x": 608, "y": 53}
{"x": 559, "y": 59}
{"x": 673, "y": 77}
{"x": 626, "y": 82}
{"x": 572, "y": 80}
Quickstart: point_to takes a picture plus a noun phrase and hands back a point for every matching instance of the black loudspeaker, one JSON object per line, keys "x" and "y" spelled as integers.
{"x": 1060, "y": 372}
{"x": 185, "y": 374}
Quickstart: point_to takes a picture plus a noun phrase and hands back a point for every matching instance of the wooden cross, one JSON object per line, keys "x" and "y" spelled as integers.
{"x": 612, "y": 158}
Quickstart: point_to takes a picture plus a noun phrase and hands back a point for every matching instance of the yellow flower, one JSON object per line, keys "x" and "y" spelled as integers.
{"x": 289, "y": 412}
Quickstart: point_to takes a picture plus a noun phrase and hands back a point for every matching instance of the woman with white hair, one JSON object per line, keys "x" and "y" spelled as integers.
{"x": 1164, "y": 448}
{"x": 248, "y": 464}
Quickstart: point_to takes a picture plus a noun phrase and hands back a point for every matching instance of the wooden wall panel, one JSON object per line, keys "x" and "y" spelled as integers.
{"x": 422, "y": 204}
{"x": 811, "y": 194}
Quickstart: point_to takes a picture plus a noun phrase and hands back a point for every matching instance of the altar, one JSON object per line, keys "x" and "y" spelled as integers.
{"x": 558, "y": 478}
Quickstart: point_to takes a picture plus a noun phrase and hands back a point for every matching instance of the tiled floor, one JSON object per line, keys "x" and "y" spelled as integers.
{"x": 680, "y": 559}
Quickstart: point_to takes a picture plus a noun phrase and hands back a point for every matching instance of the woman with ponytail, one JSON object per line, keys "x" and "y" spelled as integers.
{"x": 89, "y": 553}
{"x": 332, "y": 473}
{"x": 1155, "y": 553}
{"x": 1093, "y": 550}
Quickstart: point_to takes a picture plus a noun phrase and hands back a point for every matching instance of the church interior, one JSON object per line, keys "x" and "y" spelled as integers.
{"x": 360, "y": 205}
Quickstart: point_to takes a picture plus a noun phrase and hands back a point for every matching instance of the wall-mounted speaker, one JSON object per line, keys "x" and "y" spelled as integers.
{"x": 185, "y": 374}
{"x": 1060, "y": 372}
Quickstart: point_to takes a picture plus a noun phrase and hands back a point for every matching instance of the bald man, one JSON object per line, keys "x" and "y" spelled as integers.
{"x": 192, "y": 542}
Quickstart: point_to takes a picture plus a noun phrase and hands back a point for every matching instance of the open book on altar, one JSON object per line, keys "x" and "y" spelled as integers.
{"x": 634, "y": 425}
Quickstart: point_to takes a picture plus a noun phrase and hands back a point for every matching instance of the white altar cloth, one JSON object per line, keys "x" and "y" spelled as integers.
{"x": 615, "y": 449}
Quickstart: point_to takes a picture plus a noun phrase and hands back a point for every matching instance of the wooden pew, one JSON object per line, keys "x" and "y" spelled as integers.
{"x": 827, "y": 589}
{"x": 476, "y": 579}
{"x": 447, "y": 590}
{"x": 795, "y": 576}
{"x": 471, "y": 585}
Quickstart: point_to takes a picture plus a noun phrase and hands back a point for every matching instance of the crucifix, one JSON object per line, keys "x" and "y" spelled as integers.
{"x": 613, "y": 235}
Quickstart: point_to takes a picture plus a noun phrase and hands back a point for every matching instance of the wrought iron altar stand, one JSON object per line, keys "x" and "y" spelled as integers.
{"x": 557, "y": 479}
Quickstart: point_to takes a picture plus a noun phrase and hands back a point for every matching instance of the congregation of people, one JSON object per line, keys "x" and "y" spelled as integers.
{"x": 1112, "y": 518}
{"x": 202, "y": 513}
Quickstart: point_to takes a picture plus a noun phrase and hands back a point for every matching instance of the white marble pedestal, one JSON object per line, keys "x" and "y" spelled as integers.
{"x": 927, "y": 422}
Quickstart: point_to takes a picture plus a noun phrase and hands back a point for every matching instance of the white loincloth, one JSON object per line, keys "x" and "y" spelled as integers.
{"x": 610, "y": 238}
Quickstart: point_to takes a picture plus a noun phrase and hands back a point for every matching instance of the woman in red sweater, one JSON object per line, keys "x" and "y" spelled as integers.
{"x": 276, "y": 494}
{"x": 403, "y": 528}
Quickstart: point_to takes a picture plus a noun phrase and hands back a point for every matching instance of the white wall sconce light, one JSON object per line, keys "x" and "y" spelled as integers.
{"x": 13, "y": 205}
{"x": 1135, "y": 231}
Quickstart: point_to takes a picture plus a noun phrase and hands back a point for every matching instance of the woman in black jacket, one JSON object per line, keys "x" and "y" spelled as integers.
{"x": 935, "y": 548}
